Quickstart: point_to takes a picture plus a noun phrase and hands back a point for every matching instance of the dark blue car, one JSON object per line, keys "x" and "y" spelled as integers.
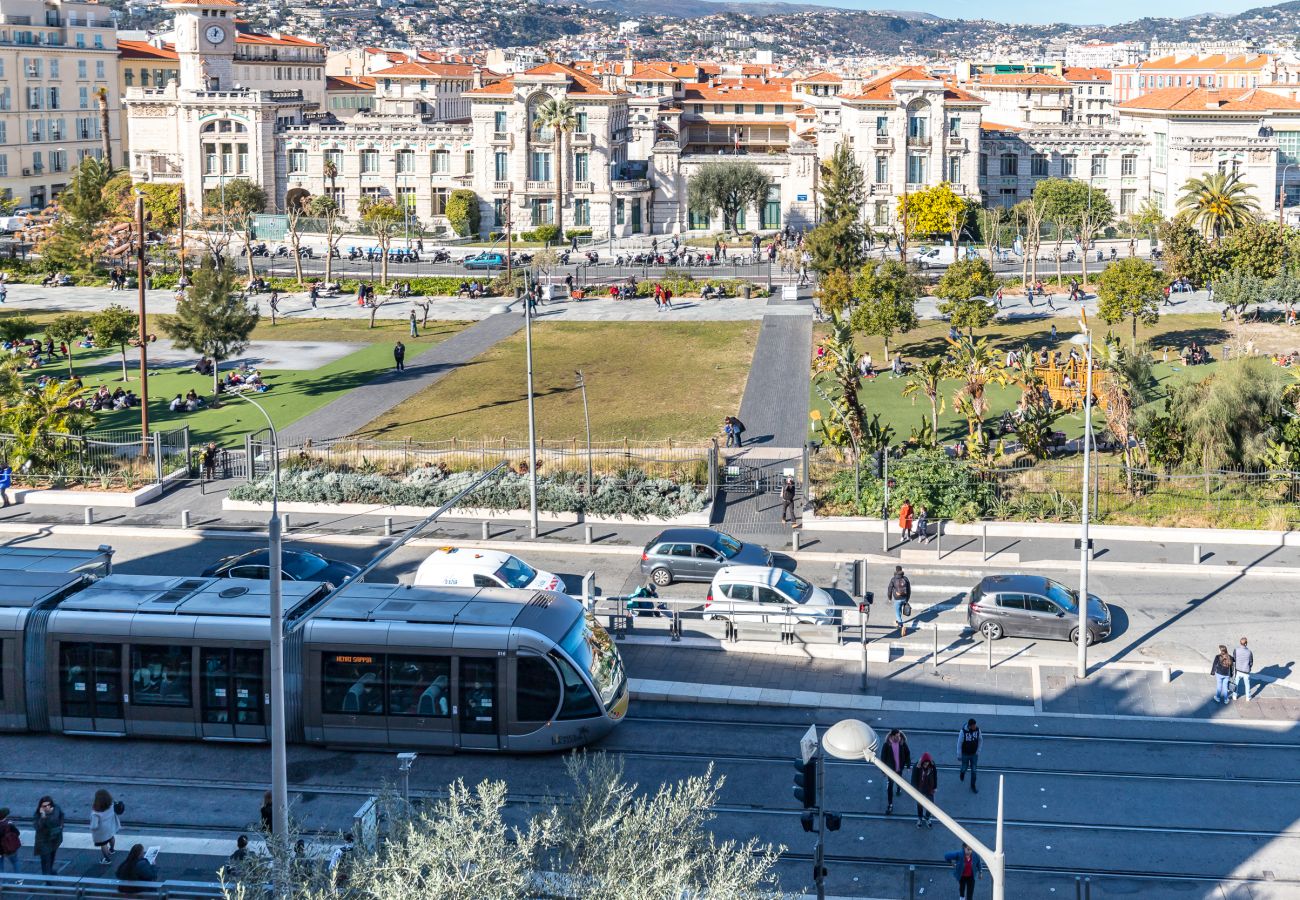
{"x": 295, "y": 565}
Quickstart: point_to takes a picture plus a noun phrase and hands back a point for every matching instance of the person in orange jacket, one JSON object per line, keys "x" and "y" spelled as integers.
{"x": 905, "y": 519}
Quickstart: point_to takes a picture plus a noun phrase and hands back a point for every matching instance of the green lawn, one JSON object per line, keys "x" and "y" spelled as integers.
{"x": 293, "y": 394}
{"x": 883, "y": 395}
{"x": 645, "y": 381}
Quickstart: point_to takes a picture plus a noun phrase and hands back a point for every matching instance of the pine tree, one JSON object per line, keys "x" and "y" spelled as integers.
{"x": 212, "y": 319}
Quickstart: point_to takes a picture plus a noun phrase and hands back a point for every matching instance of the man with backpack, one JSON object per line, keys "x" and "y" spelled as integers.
{"x": 969, "y": 744}
{"x": 10, "y": 842}
{"x": 900, "y": 592}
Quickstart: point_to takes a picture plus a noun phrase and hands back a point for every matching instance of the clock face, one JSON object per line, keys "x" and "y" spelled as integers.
{"x": 215, "y": 35}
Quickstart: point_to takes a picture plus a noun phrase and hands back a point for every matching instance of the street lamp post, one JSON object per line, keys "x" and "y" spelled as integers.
{"x": 1085, "y": 550}
{"x": 144, "y": 337}
{"x": 532, "y": 420}
{"x": 852, "y": 739}
{"x": 279, "y": 749}
{"x": 1281, "y": 191}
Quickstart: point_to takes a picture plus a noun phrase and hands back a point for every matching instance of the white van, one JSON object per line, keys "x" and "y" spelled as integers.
{"x": 460, "y": 567}
{"x": 925, "y": 257}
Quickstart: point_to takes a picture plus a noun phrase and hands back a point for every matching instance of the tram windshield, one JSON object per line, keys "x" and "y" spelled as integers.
{"x": 592, "y": 649}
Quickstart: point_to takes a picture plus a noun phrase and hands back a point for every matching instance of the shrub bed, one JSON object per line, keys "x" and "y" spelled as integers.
{"x": 629, "y": 493}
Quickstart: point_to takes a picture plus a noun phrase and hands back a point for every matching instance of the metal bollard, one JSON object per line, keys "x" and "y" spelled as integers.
{"x": 487, "y": 530}
{"x": 911, "y": 883}
{"x": 938, "y": 539}
{"x": 1078, "y": 888}
{"x": 794, "y": 540}
{"x": 388, "y": 526}
{"x": 1196, "y": 554}
{"x": 1166, "y": 673}
{"x": 185, "y": 518}
{"x": 90, "y": 515}
{"x": 587, "y": 535}
{"x": 989, "y": 641}
{"x": 884, "y": 532}
{"x": 934, "y": 660}
{"x": 284, "y": 525}
{"x": 1087, "y": 888}
{"x": 984, "y": 536}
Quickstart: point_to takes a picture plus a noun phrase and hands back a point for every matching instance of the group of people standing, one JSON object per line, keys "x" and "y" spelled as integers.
{"x": 897, "y": 757}
{"x": 48, "y": 824}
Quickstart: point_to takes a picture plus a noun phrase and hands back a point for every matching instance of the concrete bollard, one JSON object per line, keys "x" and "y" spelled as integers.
{"x": 90, "y": 515}
{"x": 1166, "y": 673}
{"x": 284, "y": 523}
{"x": 988, "y": 642}
{"x": 388, "y": 526}
{"x": 532, "y": 531}
{"x": 185, "y": 518}
{"x": 587, "y": 535}
{"x": 794, "y": 540}
{"x": 487, "y": 530}
{"x": 1196, "y": 554}
{"x": 984, "y": 535}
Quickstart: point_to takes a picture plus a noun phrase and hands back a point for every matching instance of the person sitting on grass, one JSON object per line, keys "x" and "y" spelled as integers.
{"x": 177, "y": 404}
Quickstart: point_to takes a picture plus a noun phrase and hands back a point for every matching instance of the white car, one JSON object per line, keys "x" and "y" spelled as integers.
{"x": 460, "y": 567}
{"x": 763, "y": 593}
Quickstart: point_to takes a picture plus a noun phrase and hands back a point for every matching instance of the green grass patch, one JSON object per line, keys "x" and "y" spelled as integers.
{"x": 645, "y": 381}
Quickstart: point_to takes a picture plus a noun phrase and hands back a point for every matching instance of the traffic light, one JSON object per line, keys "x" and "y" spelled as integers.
{"x": 832, "y": 821}
{"x": 878, "y": 463}
{"x": 805, "y": 782}
{"x": 808, "y": 821}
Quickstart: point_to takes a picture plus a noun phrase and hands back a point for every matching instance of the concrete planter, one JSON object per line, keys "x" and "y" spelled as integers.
{"x": 368, "y": 509}
{"x": 117, "y": 499}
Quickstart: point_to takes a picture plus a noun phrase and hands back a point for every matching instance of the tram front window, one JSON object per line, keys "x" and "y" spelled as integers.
{"x": 592, "y": 649}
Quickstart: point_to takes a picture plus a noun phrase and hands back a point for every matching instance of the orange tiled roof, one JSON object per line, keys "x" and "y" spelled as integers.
{"x": 246, "y": 37}
{"x": 1022, "y": 79}
{"x": 650, "y": 73}
{"x": 146, "y": 50}
{"x": 580, "y": 83}
{"x": 806, "y": 112}
{"x": 1189, "y": 99}
{"x": 1084, "y": 73}
{"x": 348, "y": 83}
{"x": 425, "y": 70}
{"x": 775, "y": 90}
{"x": 1214, "y": 61}
{"x": 882, "y": 89}
{"x": 821, "y": 78}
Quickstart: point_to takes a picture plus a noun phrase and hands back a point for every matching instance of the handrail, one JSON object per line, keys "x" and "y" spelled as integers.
{"x": 28, "y": 884}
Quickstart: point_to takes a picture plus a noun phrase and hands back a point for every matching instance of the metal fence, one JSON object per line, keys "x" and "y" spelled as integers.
{"x": 117, "y": 457}
{"x": 692, "y": 463}
{"x": 1051, "y": 490}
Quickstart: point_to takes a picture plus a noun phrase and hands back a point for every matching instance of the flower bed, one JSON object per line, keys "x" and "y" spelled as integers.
{"x": 629, "y": 493}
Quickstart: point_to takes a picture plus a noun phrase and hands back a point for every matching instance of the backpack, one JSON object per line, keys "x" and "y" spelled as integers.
{"x": 10, "y": 840}
{"x": 119, "y": 807}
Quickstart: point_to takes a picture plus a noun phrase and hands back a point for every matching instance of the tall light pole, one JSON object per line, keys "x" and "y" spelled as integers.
{"x": 532, "y": 420}
{"x": 852, "y": 739}
{"x": 1085, "y": 550}
{"x": 582, "y": 385}
{"x": 1281, "y": 191}
{"x": 279, "y": 749}
{"x": 144, "y": 335}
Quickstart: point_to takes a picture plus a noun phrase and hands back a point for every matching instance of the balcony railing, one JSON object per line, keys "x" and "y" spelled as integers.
{"x": 632, "y": 186}
{"x": 884, "y": 140}
{"x": 539, "y": 186}
{"x": 583, "y": 187}
{"x": 918, "y": 140}
{"x": 500, "y": 187}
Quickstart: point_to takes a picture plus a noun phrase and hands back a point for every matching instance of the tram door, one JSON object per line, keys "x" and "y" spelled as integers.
{"x": 479, "y": 702}
{"x": 233, "y": 697}
{"x": 90, "y": 687}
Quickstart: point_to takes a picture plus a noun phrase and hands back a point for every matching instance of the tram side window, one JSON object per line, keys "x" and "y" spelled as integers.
{"x": 419, "y": 686}
{"x": 537, "y": 690}
{"x": 579, "y": 703}
{"x": 160, "y": 676}
{"x": 352, "y": 684}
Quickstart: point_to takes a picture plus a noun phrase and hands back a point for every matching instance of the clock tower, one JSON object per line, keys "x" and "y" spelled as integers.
{"x": 205, "y": 43}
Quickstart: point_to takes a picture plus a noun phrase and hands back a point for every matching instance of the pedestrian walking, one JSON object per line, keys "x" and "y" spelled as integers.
{"x": 415, "y": 331}
{"x": 905, "y": 519}
{"x": 787, "y": 501}
{"x": 209, "y": 459}
{"x": 966, "y": 867}
{"x": 240, "y": 852}
{"x": 739, "y": 428}
{"x": 49, "y": 833}
{"x": 925, "y": 778}
{"x": 399, "y": 356}
{"x": 136, "y": 867}
{"x": 6, "y": 481}
{"x": 668, "y": 298}
{"x": 922, "y": 528}
{"x": 969, "y": 744}
{"x": 267, "y": 806}
{"x": 314, "y": 294}
{"x": 1244, "y": 660}
{"x": 900, "y": 591}
{"x": 104, "y": 824}
{"x": 11, "y": 841}
{"x": 1222, "y": 669}
{"x": 1052, "y": 333}
{"x": 898, "y": 756}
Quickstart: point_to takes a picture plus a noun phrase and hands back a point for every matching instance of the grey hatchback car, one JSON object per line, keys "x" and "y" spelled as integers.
{"x": 1033, "y": 606}
{"x": 696, "y": 554}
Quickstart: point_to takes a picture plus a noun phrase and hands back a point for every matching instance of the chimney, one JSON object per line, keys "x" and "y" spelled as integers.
{"x": 477, "y": 78}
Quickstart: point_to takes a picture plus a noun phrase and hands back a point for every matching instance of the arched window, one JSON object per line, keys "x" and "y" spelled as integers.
{"x": 541, "y": 134}
{"x": 224, "y": 126}
{"x": 918, "y": 121}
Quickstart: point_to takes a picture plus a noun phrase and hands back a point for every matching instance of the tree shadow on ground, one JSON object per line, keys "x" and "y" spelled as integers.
{"x": 1205, "y": 336}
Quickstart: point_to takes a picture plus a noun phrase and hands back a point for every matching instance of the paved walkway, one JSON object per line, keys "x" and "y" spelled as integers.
{"x": 354, "y": 409}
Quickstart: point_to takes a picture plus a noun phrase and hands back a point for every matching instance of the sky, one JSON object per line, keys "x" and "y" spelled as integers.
{"x": 1102, "y": 12}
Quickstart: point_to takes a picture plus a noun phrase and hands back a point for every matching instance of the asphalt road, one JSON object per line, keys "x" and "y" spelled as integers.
{"x": 1155, "y": 809}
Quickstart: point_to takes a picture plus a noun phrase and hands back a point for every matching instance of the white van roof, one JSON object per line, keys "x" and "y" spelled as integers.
{"x": 475, "y": 560}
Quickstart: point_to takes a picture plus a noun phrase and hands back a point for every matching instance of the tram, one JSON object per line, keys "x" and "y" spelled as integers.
{"x": 380, "y": 666}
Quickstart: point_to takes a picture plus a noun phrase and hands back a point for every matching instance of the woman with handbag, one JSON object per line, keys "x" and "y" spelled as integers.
{"x": 105, "y": 824}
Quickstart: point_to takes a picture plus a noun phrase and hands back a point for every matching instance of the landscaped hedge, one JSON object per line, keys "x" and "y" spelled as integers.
{"x": 630, "y": 493}
{"x": 689, "y": 287}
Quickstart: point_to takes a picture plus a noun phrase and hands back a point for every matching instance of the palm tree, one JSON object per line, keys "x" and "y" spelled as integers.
{"x": 1218, "y": 203}
{"x": 837, "y": 360}
{"x": 927, "y": 379}
{"x": 558, "y": 116}
{"x": 976, "y": 365}
{"x": 331, "y": 173}
{"x": 1127, "y": 385}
